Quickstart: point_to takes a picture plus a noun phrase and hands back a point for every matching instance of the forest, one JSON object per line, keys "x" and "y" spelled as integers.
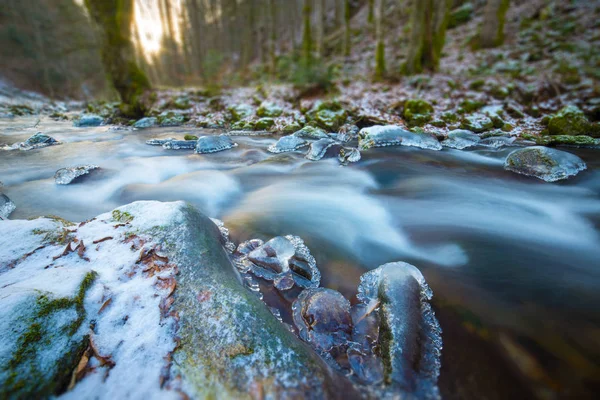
{"x": 290, "y": 199}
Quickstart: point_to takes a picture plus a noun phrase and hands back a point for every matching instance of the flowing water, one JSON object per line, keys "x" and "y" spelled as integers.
{"x": 514, "y": 262}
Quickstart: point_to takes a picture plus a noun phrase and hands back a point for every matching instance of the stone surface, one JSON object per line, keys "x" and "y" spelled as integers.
{"x": 65, "y": 176}
{"x": 147, "y": 122}
{"x": 394, "y": 135}
{"x": 213, "y": 144}
{"x": 36, "y": 141}
{"x": 461, "y": 139}
{"x": 288, "y": 143}
{"x": 544, "y": 163}
{"x": 6, "y": 206}
{"x": 89, "y": 120}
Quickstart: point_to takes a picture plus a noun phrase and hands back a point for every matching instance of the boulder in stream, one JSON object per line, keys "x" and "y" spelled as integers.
{"x": 213, "y": 144}
{"x": 544, "y": 163}
{"x": 394, "y": 135}
{"x": 288, "y": 143}
{"x": 6, "y": 206}
{"x": 87, "y": 120}
{"x": 461, "y": 139}
{"x": 37, "y": 141}
{"x": 147, "y": 122}
{"x": 65, "y": 176}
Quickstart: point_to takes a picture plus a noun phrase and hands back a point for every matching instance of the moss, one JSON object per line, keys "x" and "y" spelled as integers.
{"x": 190, "y": 137}
{"x": 380, "y": 66}
{"x": 477, "y": 84}
{"x": 264, "y": 124}
{"x": 240, "y": 111}
{"x": 468, "y": 106}
{"x": 460, "y": 15}
{"x": 571, "y": 121}
{"x": 123, "y": 217}
{"x": 269, "y": 110}
{"x": 25, "y": 379}
{"x": 292, "y": 127}
{"x": 450, "y": 117}
{"x": 576, "y": 140}
{"x": 328, "y": 115}
{"x": 417, "y": 112}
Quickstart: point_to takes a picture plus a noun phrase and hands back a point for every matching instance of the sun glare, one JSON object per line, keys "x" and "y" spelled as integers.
{"x": 149, "y": 27}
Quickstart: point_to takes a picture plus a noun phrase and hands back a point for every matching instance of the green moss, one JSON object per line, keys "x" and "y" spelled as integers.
{"x": 417, "y": 112}
{"x": 380, "y": 66}
{"x": 477, "y": 84}
{"x": 25, "y": 379}
{"x": 264, "y": 124}
{"x": 123, "y": 217}
{"x": 292, "y": 127}
{"x": 576, "y": 140}
{"x": 269, "y": 110}
{"x": 240, "y": 111}
{"x": 468, "y": 106}
{"x": 460, "y": 15}
{"x": 190, "y": 137}
{"x": 571, "y": 121}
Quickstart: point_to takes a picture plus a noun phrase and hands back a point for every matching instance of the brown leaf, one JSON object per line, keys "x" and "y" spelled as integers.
{"x": 106, "y": 304}
{"x": 102, "y": 240}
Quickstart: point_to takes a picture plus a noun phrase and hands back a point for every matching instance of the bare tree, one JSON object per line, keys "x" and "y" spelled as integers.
{"x": 492, "y": 28}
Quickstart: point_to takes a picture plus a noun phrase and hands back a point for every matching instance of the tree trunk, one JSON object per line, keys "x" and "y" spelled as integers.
{"x": 492, "y": 29}
{"x": 429, "y": 19}
{"x": 322, "y": 20}
{"x": 347, "y": 43}
{"x": 371, "y": 15}
{"x": 307, "y": 44}
{"x": 380, "y": 49}
{"x": 114, "y": 18}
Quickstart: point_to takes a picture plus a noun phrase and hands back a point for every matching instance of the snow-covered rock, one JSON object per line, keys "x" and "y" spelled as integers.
{"x": 394, "y": 135}
{"x": 36, "y": 141}
{"x": 64, "y": 176}
{"x": 6, "y": 206}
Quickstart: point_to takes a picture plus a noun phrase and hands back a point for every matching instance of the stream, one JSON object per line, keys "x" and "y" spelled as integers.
{"x": 513, "y": 261}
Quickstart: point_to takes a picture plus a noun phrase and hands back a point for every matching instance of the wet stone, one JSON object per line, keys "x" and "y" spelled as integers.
{"x": 348, "y": 155}
{"x": 393, "y": 135}
{"x": 323, "y": 318}
{"x": 147, "y": 122}
{"x": 89, "y": 120}
{"x": 477, "y": 123}
{"x": 318, "y": 149}
{"x": 213, "y": 144}
{"x": 6, "y": 206}
{"x": 461, "y": 139}
{"x": 65, "y": 176}
{"x": 311, "y": 132}
{"x": 497, "y": 141}
{"x": 544, "y": 163}
{"x": 159, "y": 142}
{"x": 36, "y": 141}
{"x": 179, "y": 145}
{"x": 288, "y": 143}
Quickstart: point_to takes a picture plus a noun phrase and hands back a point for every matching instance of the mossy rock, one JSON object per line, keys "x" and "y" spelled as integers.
{"x": 170, "y": 118}
{"x": 417, "y": 112}
{"x": 240, "y": 111}
{"x": 267, "y": 109}
{"x": 469, "y": 105}
{"x": 182, "y": 103}
{"x": 477, "y": 123}
{"x": 329, "y": 115}
{"x": 291, "y": 127}
{"x": 190, "y": 137}
{"x": 264, "y": 124}
{"x": 573, "y": 140}
{"x": 572, "y": 121}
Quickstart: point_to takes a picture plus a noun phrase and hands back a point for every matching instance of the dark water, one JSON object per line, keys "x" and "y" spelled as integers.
{"x": 514, "y": 262}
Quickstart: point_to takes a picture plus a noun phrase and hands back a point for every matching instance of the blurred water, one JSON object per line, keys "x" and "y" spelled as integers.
{"x": 519, "y": 254}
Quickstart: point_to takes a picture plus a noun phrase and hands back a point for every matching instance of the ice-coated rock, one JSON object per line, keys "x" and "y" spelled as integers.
{"x": 348, "y": 155}
{"x": 36, "y": 141}
{"x": 64, "y": 176}
{"x": 497, "y": 141}
{"x": 394, "y": 135}
{"x": 323, "y": 319}
{"x": 318, "y": 149}
{"x": 285, "y": 261}
{"x": 6, "y": 206}
{"x": 180, "y": 145}
{"x": 148, "y": 292}
{"x": 410, "y": 336}
{"x": 248, "y": 133}
{"x": 213, "y": 144}
{"x": 311, "y": 132}
{"x": 477, "y": 123}
{"x": 288, "y": 143}
{"x": 544, "y": 163}
{"x": 461, "y": 139}
{"x": 347, "y": 133}
{"x": 159, "y": 142}
{"x": 88, "y": 120}
{"x": 170, "y": 118}
{"x": 147, "y": 122}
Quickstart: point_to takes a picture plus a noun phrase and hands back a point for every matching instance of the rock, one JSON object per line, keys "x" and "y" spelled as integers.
{"x": 327, "y": 114}
{"x": 180, "y": 145}
{"x": 6, "y": 206}
{"x": 318, "y": 149}
{"x": 267, "y": 109}
{"x": 323, "y": 318}
{"x": 88, "y": 120}
{"x": 544, "y": 163}
{"x": 36, "y": 141}
{"x": 240, "y": 111}
{"x": 477, "y": 123}
{"x": 311, "y": 132}
{"x": 65, "y": 176}
{"x": 170, "y": 118}
{"x": 576, "y": 140}
{"x": 190, "y": 137}
{"x": 265, "y": 123}
{"x": 144, "y": 123}
{"x": 417, "y": 112}
{"x": 285, "y": 261}
{"x": 348, "y": 155}
{"x": 497, "y": 141}
{"x": 288, "y": 143}
{"x": 292, "y": 127}
{"x": 213, "y": 144}
{"x": 348, "y": 132}
{"x": 165, "y": 306}
{"x": 182, "y": 103}
{"x": 410, "y": 335}
{"x": 159, "y": 142}
{"x": 572, "y": 121}
{"x": 461, "y": 139}
{"x": 394, "y": 135}
{"x": 249, "y": 133}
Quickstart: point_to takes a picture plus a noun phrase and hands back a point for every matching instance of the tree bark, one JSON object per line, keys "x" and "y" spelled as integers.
{"x": 380, "y": 48}
{"x": 492, "y": 28}
{"x": 347, "y": 43}
{"x": 114, "y": 18}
